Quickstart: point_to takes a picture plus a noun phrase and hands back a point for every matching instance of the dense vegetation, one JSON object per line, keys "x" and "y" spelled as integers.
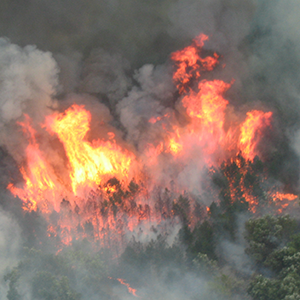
{"x": 193, "y": 266}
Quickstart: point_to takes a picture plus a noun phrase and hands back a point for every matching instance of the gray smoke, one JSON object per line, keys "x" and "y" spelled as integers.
{"x": 29, "y": 78}
{"x": 10, "y": 244}
{"x": 113, "y": 57}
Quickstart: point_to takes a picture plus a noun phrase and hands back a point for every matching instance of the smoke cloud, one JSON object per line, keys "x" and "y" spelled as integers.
{"x": 29, "y": 78}
{"x": 10, "y": 243}
{"x": 113, "y": 57}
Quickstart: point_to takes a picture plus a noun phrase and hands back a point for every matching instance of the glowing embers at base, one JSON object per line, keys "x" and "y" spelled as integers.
{"x": 129, "y": 288}
{"x": 90, "y": 163}
{"x": 245, "y": 184}
{"x": 97, "y": 197}
{"x": 89, "y": 198}
{"x": 283, "y": 200}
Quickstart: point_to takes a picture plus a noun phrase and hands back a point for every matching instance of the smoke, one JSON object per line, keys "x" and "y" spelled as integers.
{"x": 233, "y": 252}
{"x": 113, "y": 57}
{"x": 10, "y": 243}
{"x": 29, "y": 78}
{"x": 105, "y": 74}
{"x": 145, "y": 101}
{"x": 28, "y": 81}
{"x": 274, "y": 59}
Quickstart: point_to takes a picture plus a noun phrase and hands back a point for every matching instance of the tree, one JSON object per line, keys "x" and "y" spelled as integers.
{"x": 273, "y": 244}
{"x": 265, "y": 234}
{"x": 13, "y": 277}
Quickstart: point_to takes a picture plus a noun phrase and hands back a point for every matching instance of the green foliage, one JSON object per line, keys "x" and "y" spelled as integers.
{"x": 204, "y": 265}
{"x": 48, "y": 287}
{"x": 295, "y": 242}
{"x": 232, "y": 179}
{"x": 266, "y": 237}
{"x": 275, "y": 260}
{"x": 281, "y": 288}
{"x": 265, "y": 234}
{"x": 182, "y": 209}
{"x": 226, "y": 285}
{"x": 219, "y": 285}
{"x": 203, "y": 240}
{"x": 262, "y": 288}
{"x": 57, "y": 277}
{"x": 155, "y": 254}
{"x": 13, "y": 278}
{"x": 272, "y": 242}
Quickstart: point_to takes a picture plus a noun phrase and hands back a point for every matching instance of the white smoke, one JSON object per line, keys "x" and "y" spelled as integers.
{"x": 10, "y": 243}
{"x": 28, "y": 80}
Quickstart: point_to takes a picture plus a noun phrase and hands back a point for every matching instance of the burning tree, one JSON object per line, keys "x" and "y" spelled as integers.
{"x": 103, "y": 189}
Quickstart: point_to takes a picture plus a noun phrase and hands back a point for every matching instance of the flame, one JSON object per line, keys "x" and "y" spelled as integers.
{"x": 208, "y": 104}
{"x": 252, "y": 131}
{"x": 130, "y": 289}
{"x": 188, "y": 60}
{"x": 282, "y": 196}
{"x": 89, "y": 162}
{"x": 283, "y": 200}
{"x": 174, "y": 147}
{"x": 39, "y": 184}
{"x": 98, "y": 198}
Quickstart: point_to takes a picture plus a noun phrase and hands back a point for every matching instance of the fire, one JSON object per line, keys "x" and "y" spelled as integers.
{"x": 98, "y": 171}
{"x": 174, "y": 147}
{"x": 282, "y": 196}
{"x": 188, "y": 61}
{"x": 283, "y": 200}
{"x": 39, "y": 184}
{"x": 252, "y": 131}
{"x": 130, "y": 289}
{"x": 207, "y": 110}
{"x": 104, "y": 194}
{"x": 90, "y": 162}
{"x": 208, "y": 104}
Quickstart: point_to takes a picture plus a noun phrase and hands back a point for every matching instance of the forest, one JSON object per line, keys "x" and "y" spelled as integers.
{"x": 261, "y": 260}
{"x": 149, "y": 149}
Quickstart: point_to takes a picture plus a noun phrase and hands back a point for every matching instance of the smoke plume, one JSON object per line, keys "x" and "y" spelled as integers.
{"x": 112, "y": 60}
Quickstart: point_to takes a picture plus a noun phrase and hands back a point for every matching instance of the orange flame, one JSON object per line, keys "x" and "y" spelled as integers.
{"x": 281, "y": 199}
{"x": 208, "y": 104}
{"x": 188, "y": 60}
{"x": 252, "y": 131}
{"x": 207, "y": 135}
{"x": 90, "y": 162}
{"x": 282, "y": 196}
{"x": 130, "y": 289}
{"x": 38, "y": 181}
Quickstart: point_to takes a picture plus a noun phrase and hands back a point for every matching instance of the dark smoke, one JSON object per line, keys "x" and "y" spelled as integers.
{"x": 113, "y": 56}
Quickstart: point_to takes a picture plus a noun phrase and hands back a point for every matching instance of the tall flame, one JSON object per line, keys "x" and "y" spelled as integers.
{"x": 99, "y": 191}
{"x": 90, "y": 163}
{"x": 252, "y": 132}
{"x": 39, "y": 183}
